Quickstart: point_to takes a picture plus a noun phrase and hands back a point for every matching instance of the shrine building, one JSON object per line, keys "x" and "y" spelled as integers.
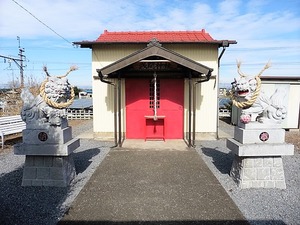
{"x": 155, "y": 84}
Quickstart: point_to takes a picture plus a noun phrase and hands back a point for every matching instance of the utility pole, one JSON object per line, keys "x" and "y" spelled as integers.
{"x": 19, "y": 62}
{"x": 21, "y": 51}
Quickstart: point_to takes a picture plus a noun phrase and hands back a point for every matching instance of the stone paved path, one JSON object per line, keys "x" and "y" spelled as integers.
{"x": 153, "y": 187}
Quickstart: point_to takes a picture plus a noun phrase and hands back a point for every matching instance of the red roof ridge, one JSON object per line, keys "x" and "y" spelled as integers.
{"x": 162, "y": 36}
{"x": 154, "y": 31}
{"x": 187, "y": 36}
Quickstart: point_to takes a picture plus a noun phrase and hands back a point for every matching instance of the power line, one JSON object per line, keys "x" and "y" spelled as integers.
{"x": 287, "y": 48}
{"x": 43, "y": 23}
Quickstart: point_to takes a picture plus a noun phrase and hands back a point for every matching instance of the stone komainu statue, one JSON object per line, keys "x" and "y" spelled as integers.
{"x": 255, "y": 104}
{"x": 48, "y": 107}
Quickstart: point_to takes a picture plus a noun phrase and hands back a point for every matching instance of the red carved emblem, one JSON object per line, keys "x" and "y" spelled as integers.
{"x": 264, "y": 136}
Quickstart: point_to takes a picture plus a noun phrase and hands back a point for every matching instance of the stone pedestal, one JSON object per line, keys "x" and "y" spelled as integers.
{"x": 258, "y": 149}
{"x": 48, "y": 171}
{"x": 49, "y": 159}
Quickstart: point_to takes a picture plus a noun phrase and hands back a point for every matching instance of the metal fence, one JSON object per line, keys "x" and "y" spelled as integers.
{"x": 79, "y": 114}
{"x": 224, "y": 113}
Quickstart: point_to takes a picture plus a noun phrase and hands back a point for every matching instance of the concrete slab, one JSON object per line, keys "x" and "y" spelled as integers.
{"x": 257, "y": 125}
{"x": 47, "y": 149}
{"x": 153, "y": 187}
{"x": 258, "y": 150}
{"x": 225, "y": 129}
{"x": 86, "y": 135}
{"x": 154, "y": 145}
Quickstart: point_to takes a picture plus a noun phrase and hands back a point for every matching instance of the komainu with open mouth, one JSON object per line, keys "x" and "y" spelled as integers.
{"x": 56, "y": 94}
{"x": 255, "y": 104}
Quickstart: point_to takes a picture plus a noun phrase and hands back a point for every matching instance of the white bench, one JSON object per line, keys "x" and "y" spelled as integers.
{"x": 10, "y": 125}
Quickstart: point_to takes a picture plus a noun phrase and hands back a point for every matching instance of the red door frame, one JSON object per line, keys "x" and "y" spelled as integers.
{"x": 171, "y": 107}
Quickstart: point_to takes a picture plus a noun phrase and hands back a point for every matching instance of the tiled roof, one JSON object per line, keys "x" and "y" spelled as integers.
{"x": 81, "y": 103}
{"x": 161, "y": 36}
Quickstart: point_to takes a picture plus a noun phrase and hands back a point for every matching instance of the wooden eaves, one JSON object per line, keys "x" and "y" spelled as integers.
{"x": 154, "y": 49}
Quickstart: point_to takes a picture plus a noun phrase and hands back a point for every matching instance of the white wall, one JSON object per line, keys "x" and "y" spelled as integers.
{"x": 292, "y": 101}
{"x": 103, "y": 94}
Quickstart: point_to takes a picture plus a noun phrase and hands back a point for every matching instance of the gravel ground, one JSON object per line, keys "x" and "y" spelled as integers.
{"x": 46, "y": 205}
{"x": 259, "y": 206}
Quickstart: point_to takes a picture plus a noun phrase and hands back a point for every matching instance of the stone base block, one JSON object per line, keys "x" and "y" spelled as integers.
{"x": 51, "y": 135}
{"x": 266, "y": 135}
{"x": 48, "y": 171}
{"x": 262, "y": 149}
{"x": 47, "y": 149}
{"x": 258, "y": 172}
{"x": 256, "y": 125}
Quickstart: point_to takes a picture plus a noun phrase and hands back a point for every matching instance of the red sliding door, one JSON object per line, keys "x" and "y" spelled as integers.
{"x": 140, "y": 105}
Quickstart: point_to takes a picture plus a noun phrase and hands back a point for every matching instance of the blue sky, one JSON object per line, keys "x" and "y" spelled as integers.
{"x": 265, "y": 30}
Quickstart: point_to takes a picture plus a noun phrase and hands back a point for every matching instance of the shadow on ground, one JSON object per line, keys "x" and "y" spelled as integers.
{"x": 222, "y": 161}
{"x": 83, "y": 160}
{"x": 188, "y": 222}
{"x": 28, "y": 205}
{"x": 36, "y": 205}
{"x": 226, "y": 120}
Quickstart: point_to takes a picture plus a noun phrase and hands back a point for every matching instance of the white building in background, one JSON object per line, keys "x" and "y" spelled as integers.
{"x": 85, "y": 94}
